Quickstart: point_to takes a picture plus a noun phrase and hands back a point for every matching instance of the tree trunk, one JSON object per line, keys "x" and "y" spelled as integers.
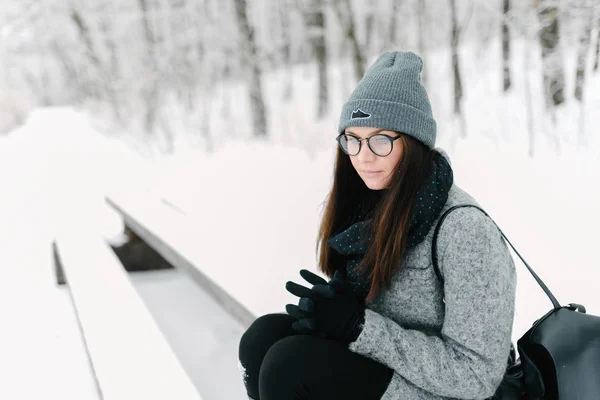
{"x": 70, "y": 70}
{"x": 421, "y": 18}
{"x": 369, "y": 23}
{"x": 393, "y": 28}
{"x": 113, "y": 71}
{"x": 553, "y": 73}
{"x": 249, "y": 53}
{"x": 150, "y": 92}
{"x": 90, "y": 51}
{"x": 343, "y": 9}
{"x": 506, "y": 46}
{"x": 286, "y": 51}
{"x": 586, "y": 15}
{"x": 315, "y": 21}
{"x": 597, "y": 57}
{"x": 185, "y": 52}
{"x": 528, "y": 98}
{"x": 455, "y": 60}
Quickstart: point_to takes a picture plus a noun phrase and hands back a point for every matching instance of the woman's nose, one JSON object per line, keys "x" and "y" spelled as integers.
{"x": 365, "y": 153}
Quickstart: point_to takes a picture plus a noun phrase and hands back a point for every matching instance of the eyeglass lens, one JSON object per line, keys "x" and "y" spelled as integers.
{"x": 379, "y": 144}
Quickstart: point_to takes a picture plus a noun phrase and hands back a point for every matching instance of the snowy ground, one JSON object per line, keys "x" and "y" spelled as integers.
{"x": 51, "y": 166}
{"x": 42, "y": 351}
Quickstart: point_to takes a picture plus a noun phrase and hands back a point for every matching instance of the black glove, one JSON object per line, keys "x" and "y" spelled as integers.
{"x": 305, "y": 324}
{"x": 340, "y": 283}
{"x": 330, "y": 308}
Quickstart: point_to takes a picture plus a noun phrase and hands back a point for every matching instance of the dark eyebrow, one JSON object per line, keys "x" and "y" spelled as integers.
{"x": 372, "y": 133}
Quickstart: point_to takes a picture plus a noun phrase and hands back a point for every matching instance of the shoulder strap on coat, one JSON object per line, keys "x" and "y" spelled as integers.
{"x": 435, "y": 235}
{"x": 436, "y": 267}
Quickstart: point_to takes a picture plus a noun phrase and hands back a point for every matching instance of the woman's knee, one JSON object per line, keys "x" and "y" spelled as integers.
{"x": 286, "y": 365}
{"x": 263, "y": 333}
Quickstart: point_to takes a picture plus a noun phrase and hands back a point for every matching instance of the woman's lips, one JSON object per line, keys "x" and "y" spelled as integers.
{"x": 371, "y": 173}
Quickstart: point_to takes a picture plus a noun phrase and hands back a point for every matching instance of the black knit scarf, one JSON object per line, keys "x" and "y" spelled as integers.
{"x": 353, "y": 242}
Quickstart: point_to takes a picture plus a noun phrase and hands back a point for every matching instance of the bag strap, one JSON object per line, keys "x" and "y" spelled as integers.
{"x": 434, "y": 258}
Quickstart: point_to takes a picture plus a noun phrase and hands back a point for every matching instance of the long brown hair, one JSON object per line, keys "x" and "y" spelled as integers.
{"x": 390, "y": 219}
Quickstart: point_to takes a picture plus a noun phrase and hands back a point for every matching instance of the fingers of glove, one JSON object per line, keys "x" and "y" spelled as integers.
{"x": 312, "y": 278}
{"x": 324, "y": 290}
{"x": 340, "y": 285}
{"x": 306, "y": 304}
{"x": 304, "y": 325}
{"x": 295, "y": 311}
{"x": 298, "y": 290}
{"x": 340, "y": 274}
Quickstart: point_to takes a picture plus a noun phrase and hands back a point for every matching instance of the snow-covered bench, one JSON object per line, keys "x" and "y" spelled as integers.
{"x": 130, "y": 357}
{"x": 171, "y": 232}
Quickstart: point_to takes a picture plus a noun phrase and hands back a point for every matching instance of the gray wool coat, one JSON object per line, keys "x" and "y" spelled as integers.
{"x": 452, "y": 348}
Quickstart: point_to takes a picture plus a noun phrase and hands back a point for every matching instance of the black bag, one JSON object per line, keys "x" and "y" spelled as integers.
{"x": 559, "y": 355}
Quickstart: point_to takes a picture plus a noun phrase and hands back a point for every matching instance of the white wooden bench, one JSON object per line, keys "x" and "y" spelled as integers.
{"x": 168, "y": 230}
{"x": 129, "y": 354}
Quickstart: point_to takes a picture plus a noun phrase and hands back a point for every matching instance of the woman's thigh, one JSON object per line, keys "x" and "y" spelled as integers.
{"x": 307, "y": 367}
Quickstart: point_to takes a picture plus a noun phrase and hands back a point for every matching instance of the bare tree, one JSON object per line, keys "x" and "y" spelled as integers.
{"x": 458, "y": 89}
{"x": 421, "y": 19}
{"x": 597, "y": 56}
{"x": 390, "y": 38}
{"x": 187, "y": 48}
{"x": 112, "y": 69}
{"x": 315, "y": 21}
{"x": 506, "y": 45}
{"x": 553, "y": 73}
{"x": 370, "y": 22}
{"x": 150, "y": 90}
{"x": 285, "y": 49}
{"x": 528, "y": 97}
{"x": 586, "y": 15}
{"x": 69, "y": 69}
{"x": 343, "y": 9}
{"x": 91, "y": 86}
{"x": 249, "y": 53}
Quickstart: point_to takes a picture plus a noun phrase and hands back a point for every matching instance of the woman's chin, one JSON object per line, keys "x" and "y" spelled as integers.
{"x": 374, "y": 184}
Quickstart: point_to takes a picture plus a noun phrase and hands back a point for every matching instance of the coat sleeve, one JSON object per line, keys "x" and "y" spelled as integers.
{"x": 467, "y": 359}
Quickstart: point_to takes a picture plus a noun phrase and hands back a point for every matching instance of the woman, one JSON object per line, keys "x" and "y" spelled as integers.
{"x": 385, "y": 327}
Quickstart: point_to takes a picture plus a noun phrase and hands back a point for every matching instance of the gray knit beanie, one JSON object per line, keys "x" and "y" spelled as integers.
{"x": 390, "y": 96}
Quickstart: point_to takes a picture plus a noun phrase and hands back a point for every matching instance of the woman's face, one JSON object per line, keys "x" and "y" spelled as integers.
{"x": 374, "y": 170}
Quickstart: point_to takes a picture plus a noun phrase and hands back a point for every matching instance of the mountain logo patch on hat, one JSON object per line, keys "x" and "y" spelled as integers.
{"x": 359, "y": 114}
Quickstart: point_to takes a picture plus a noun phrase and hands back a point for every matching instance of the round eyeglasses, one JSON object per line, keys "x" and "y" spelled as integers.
{"x": 379, "y": 144}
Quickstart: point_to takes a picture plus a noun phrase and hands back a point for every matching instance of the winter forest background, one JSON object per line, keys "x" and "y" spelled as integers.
{"x": 228, "y": 109}
{"x": 156, "y": 72}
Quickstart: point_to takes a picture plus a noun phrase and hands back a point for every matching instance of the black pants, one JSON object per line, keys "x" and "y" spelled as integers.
{"x": 278, "y": 363}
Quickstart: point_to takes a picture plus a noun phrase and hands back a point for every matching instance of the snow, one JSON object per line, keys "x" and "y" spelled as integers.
{"x": 56, "y": 170}
{"x": 200, "y": 333}
{"x": 42, "y": 352}
{"x": 259, "y": 204}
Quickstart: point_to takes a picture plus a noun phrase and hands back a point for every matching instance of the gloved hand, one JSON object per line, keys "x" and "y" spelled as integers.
{"x": 305, "y": 324}
{"x": 331, "y": 307}
{"x": 339, "y": 283}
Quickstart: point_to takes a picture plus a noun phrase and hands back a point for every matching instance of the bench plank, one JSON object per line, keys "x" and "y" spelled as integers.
{"x": 148, "y": 215}
{"x": 129, "y": 354}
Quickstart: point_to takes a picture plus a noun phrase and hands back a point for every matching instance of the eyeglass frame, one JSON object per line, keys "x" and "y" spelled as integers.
{"x": 390, "y": 138}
